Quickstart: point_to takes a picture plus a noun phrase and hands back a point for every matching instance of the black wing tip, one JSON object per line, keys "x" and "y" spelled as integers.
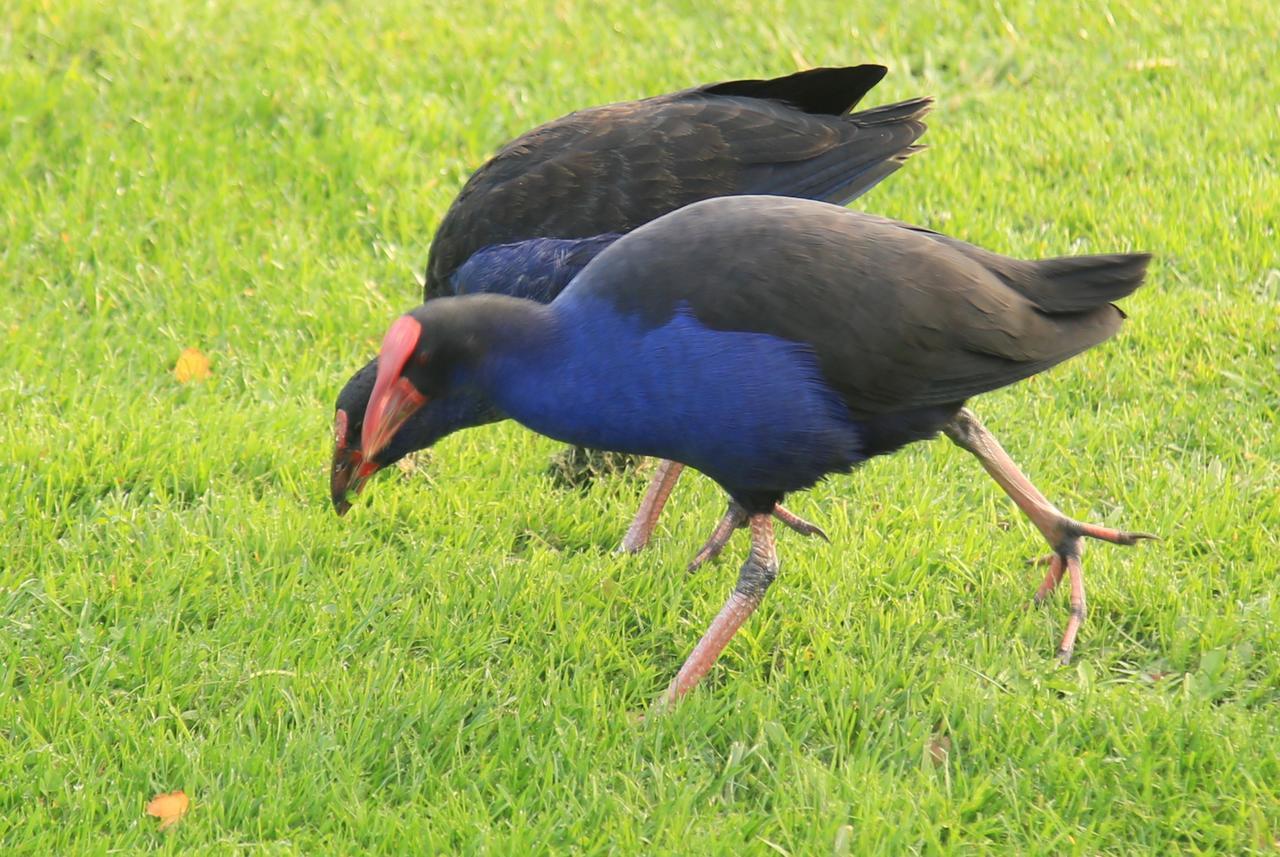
{"x": 863, "y": 76}
{"x": 913, "y": 109}
{"x": 826, "y": 90}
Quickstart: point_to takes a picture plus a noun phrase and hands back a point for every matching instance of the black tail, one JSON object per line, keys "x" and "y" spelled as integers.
{"x": 1069, "y": 284}
{"x": 821, "y": 91}
{"x": 912, "y": 110}
{"x": 1064, "y": 284}
{"x": 873, "y": 145}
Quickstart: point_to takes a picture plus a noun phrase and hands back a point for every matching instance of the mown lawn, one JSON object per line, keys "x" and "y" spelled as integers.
{"x": 458, "y": 665}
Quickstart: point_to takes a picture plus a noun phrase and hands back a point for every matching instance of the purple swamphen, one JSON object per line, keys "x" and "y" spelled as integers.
{"x": 547, "y": 203}
{"x": 769, "y": 342}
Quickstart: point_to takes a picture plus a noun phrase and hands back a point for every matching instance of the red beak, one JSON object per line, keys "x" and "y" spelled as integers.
{"x": 394, "y": 398}
{"x": 351, "y": 471}
{"x": 346, "y": 462}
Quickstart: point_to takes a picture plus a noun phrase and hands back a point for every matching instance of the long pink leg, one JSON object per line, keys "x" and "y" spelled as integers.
{"x": 757, "y": 573}
{"x": 664, "y": 479}
{"x": 1063, "y": 534}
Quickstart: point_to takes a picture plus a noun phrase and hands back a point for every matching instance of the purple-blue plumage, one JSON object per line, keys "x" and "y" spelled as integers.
{"x": 537, "y": 269}
{"x": 769, "y": 342}
{"x": 749, "y": 409}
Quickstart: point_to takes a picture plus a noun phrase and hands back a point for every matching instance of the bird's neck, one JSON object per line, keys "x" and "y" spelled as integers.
{"x": 570, "y": 370}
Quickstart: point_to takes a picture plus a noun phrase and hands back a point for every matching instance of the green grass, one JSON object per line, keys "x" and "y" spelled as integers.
{"x": 457, "y": 665}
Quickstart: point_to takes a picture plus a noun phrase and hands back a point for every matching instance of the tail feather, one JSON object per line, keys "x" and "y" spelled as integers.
{"x": 820, "y": 91}
{"x": 875, "y": 144}
{"x": 1062, "y": 284}
{"x": 1071, "y": 284}
{"x": 899, "y": 111}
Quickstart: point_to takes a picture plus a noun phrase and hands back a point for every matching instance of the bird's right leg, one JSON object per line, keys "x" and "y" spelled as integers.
{"x": 1063, "y": 534}
{"x": 757, "y": 573}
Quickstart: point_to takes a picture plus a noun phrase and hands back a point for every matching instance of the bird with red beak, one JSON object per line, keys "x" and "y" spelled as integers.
{"x": 537, "y": 213}
{"x": 770, "y": 343}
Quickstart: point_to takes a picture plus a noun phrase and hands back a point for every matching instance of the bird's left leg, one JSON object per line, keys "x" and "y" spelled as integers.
{"x": 757, "y": 573}
{"x": 735, "y": 517}
{"x": 664, "y": 479}
{"x": 1063, "y": 534}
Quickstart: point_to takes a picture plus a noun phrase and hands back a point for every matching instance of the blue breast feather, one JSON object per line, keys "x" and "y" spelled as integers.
{"x": 750, "y": 410}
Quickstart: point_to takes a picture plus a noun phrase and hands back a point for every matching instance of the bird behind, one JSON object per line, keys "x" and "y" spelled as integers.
{"x": 537, "y": 212}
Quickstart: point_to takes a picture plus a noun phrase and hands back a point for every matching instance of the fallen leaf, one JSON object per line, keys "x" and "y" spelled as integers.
{"x": 169, "y": 807}
{"x": 1152, "y": 62}
{"x": 843, "y": 836}
{"x": 192, "y": 365}
{"x": 939, "y": 750}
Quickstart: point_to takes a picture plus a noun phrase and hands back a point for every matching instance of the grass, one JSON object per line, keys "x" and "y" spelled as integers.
{"x": 456, "y": 666}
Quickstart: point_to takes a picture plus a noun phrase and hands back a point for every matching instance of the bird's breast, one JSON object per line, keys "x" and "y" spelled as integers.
{"x": 749, "y": 409}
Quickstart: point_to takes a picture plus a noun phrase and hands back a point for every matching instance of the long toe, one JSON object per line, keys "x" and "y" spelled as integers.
{"x": 1076, "y": 572}
{"x": 1074, "y": 530}
{"x": 734, "y": 518}
{"x": 797, "y": 524}
{"x": 1115, "y": 537}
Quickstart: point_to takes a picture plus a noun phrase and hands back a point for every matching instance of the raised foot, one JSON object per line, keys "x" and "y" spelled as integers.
{"x": 1063, "y": 534}
{"x": 735, "y": 517}
{"x": 1065, "y": 561}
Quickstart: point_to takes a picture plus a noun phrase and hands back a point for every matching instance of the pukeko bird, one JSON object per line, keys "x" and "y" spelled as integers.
{"x": 770, "y": 342}
{"x": 547, "y": 203}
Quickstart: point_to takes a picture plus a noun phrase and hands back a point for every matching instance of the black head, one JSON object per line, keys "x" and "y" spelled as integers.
{"x": 441, "y": 416}
{"x": 425, "y": 355}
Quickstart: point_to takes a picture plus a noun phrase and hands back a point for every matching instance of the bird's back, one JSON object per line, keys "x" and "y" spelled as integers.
{"x": 899, "y": 318}
{"x": 613, "y": 168}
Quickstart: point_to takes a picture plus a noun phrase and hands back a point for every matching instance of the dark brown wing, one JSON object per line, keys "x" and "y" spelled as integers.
{"x": 899, "y": 318}
{"x": 613, "y": 168}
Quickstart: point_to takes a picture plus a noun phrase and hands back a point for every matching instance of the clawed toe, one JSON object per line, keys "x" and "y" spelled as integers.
{"x": 797, "y": 524}
{"x": 1065, "y": 562}
{"x": 1064, "y": 535}
{"x": 735, "y": 517}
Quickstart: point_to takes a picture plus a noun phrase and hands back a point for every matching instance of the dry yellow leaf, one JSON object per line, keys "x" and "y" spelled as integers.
{"x": 192, "y": 365}
{"x": 169, "y": 807}
{"x": 939, "y": 748}
{"x": 1152, "y": 62}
